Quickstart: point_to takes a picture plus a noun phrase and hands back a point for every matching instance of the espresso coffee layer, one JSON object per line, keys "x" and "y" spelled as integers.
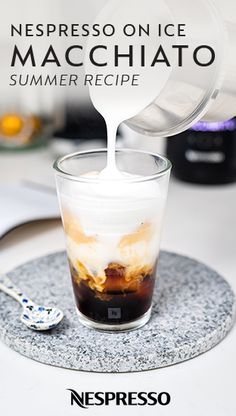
{"x": 114, "y": 306}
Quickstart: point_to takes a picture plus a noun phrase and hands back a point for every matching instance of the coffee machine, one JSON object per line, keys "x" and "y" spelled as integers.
{"x": 205, "y": 154}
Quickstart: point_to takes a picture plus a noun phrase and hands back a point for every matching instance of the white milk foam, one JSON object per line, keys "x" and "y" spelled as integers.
{"x": 105, "y": 208}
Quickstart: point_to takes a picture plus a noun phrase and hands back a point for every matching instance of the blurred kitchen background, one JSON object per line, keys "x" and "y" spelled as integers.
{"x": 38, "y": 124}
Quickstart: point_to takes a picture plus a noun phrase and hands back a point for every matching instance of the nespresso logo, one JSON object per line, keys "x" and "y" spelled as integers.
{"x": 87, "y": 399}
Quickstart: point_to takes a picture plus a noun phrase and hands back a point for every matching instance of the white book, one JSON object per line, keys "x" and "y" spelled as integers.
{"x": 21, "y": 204}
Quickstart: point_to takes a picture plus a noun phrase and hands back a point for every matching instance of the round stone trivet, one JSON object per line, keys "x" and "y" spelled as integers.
{"x": 193, "y": 310}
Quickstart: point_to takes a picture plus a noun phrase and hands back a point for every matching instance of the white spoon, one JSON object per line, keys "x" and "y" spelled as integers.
{"x": 37, "y": 317}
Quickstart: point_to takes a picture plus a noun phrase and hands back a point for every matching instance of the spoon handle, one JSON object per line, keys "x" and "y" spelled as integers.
{"x": 7, "y": 286}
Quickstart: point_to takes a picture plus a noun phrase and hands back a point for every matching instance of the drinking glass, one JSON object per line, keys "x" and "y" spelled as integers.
{"x": 112, "y": 230}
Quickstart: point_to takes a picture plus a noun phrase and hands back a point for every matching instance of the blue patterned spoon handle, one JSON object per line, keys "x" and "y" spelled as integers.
{"x": 7, "y": 286}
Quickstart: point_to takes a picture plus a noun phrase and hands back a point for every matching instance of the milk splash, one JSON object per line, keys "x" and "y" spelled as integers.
{"x": 117, "y": 103}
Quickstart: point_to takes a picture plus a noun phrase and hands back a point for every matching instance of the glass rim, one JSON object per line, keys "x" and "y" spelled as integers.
{"x": 82, "y": 179}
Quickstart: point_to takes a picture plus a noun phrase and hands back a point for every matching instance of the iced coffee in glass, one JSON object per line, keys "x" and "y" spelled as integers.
{"x": 113, "y": 230}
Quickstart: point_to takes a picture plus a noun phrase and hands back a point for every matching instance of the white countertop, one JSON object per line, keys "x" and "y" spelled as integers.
{"x": 200, "y": 223}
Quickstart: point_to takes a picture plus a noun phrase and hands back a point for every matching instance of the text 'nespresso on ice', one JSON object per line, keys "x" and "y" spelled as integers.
{"x": 134, "y": 55}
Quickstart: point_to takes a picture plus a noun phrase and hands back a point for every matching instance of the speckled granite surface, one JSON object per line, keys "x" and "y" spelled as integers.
{"x": 193, "y": 311}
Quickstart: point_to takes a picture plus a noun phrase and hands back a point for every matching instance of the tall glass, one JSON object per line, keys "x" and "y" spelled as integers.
{"x": 113, "y": 231}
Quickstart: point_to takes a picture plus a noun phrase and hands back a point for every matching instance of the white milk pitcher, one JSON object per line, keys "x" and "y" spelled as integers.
{"x": 204, "y": 86}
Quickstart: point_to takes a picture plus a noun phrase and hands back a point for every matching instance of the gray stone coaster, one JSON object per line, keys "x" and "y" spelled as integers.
{"x": 193, "y": 310}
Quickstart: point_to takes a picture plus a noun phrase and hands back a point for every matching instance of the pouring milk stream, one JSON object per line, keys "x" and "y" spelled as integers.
{"x": 117, "y": 103}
